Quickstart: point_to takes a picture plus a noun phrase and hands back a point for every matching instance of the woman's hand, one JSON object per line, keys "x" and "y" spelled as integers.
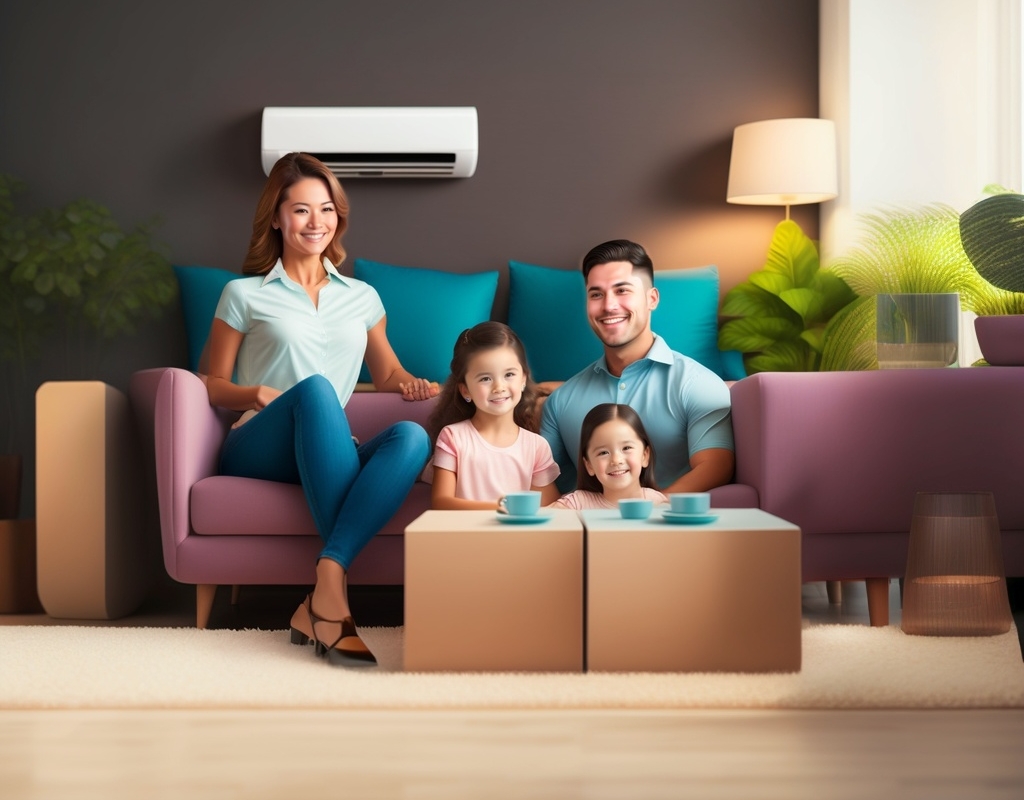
{"x": 419, "y": 389}
{"x": 264, "y": 396}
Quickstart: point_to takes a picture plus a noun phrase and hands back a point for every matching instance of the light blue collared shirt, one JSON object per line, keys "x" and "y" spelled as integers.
{"x": 685, "y": 408}
{"x": 288, "y": 339}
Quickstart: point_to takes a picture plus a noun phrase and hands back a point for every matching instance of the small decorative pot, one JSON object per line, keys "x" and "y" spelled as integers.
{"x": 1001, "y": 339}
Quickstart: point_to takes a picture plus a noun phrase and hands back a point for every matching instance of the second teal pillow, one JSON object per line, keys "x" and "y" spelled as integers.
{"x": 427, "y": 309}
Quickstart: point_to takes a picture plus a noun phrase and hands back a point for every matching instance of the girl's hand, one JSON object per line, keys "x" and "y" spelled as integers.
{"x": 419, "y": 389}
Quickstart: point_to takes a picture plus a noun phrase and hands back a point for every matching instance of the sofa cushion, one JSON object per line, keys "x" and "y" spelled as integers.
{"x": 687, "y": 313}
{"x": 427, "y": 310}
{"x": 226, "y": 506}
{"x": 546, "y": 309}
{"x": 200, "y": 289}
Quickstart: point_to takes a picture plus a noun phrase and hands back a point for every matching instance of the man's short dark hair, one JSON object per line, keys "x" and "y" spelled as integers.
{"x": 618, "y": 250}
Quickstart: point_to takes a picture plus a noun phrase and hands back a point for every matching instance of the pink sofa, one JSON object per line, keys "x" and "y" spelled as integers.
{"x": 843, "y": 454}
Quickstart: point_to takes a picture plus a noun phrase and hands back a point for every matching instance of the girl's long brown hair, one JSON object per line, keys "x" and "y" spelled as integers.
{"x": 265, "y": 247}
{"x": 451, "y": 407}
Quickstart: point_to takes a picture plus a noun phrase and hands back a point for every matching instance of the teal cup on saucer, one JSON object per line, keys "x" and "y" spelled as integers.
{"x": 636, "y": 508}
{"x": 690, "y": 502}
{"x": 520, "y": 504}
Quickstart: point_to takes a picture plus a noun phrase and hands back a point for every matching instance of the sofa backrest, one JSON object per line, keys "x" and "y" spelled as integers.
{"x": 847, "y": 452}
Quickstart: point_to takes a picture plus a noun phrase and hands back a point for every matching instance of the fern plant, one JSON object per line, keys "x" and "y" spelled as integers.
{"x": 779, "y": 314}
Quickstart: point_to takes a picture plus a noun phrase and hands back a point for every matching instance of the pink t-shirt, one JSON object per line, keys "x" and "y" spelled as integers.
{"x": 581, "y": 499}
{"x": 485, "y": 472}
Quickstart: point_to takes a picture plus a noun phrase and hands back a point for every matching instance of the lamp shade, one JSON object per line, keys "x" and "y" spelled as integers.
{"x": 783, "y": 162}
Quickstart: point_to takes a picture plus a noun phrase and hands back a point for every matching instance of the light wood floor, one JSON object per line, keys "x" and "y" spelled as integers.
{"x": 210, "y": 753}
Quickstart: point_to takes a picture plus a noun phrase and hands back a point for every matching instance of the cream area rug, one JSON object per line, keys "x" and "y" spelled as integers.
{"x": 844, "y": 666}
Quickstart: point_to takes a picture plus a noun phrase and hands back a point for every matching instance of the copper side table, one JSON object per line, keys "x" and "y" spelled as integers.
{"x": 955, "y": 584}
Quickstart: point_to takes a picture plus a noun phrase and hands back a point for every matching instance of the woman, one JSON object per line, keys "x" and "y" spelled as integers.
{"x": 295, "y": 336}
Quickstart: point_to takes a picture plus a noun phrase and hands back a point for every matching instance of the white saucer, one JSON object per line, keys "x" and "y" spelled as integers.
{"x": 523, "y": 519}
{"x": 685, "y": 518}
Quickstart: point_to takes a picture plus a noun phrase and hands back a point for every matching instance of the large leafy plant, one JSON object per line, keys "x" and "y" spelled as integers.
{"x": 780, "y": 313}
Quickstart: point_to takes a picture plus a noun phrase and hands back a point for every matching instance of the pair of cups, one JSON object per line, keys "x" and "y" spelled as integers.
{"x": 520, "y": 504}
{"x": 680, "y": 503}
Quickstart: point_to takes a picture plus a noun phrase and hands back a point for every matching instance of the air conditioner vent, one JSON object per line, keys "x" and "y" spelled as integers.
{"x": 376, "y": 142}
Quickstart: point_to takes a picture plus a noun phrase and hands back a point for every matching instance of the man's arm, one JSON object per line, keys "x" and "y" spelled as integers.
{"x": 708, "y": 468}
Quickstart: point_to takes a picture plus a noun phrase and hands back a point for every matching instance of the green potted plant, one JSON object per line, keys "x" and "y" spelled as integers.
{"x": 779, "y": 316}
{"x": 70, "y": 279}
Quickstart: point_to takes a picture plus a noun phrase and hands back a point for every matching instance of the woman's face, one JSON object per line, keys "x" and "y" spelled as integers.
{"x": 306, "y": 218}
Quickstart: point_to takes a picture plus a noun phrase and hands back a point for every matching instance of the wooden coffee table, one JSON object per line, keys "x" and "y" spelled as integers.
{"x": 485, "y": 595}
{"x": 723, "y": 596}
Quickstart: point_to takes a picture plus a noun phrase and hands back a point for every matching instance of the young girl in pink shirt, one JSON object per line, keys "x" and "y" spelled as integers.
{"x": 616, "y": 460}
{"x": 484, "y": 427}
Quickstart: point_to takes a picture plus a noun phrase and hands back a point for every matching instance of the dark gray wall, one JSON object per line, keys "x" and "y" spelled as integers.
{"x": 598, "y": 119}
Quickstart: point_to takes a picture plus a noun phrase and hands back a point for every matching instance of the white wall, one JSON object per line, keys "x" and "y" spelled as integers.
{"x": 926, "y": 96}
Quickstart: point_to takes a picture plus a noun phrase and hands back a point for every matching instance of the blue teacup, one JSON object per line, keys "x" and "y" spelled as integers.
{"x": 690, "y": 502}
{"x": 636, "y": 508}
{"x": 520, "y": 504}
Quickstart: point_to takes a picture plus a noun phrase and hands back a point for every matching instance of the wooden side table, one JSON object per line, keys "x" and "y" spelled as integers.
{"x": 93, "y": 556}
{"x": 483, "y": 595}
{"x": 722, "y": 596}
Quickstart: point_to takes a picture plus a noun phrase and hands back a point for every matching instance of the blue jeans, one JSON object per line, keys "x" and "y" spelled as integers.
{"x": 303, "y": 437}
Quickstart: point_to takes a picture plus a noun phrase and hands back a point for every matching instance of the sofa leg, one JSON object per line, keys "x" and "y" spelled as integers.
{"x": 878, "y": 601}
{"x": 235, "y": 591}
{"x": 834, "y": 589}
{"x": 205, "y": 592}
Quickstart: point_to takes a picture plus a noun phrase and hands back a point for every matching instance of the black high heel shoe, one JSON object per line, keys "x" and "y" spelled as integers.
{"x": 302, "y": 619}
{"x": 347, "y": 650}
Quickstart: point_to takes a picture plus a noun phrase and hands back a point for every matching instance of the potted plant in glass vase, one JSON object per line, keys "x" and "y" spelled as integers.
{"x": 70, "y": 279}
{"x": 992, "y": 232}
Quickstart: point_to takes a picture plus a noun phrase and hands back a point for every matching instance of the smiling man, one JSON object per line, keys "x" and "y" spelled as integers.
{"x": 684, "y": 406}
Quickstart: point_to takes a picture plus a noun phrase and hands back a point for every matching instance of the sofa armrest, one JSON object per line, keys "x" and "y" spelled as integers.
{"x": 188, "y": 433}
{"x": 371, "y": 412}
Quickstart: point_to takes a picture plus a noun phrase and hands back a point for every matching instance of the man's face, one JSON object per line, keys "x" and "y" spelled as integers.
{"x": 619, "y": 303}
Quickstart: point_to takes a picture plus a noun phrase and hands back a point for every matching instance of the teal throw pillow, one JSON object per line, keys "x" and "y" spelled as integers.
{"x": 547, "y": 308}
{"x": 687, "y": 313}
{"x": 200, "y": 291}
{"x": 427, "y": 309}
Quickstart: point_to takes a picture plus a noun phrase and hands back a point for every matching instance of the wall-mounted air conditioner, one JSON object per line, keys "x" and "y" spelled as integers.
{"x": 372, "y": 142}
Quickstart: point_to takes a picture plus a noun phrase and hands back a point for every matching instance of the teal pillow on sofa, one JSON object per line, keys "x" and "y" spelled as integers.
{"x": 547, "y": 309}
{"x": 427, "y": 309}
{"x": 687, "y": 313}
{"x": 200, "y": 289}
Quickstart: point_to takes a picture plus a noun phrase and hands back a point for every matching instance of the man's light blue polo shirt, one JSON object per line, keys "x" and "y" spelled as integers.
{"x": 685, "y": 408}
{"x": 287, "y": 338}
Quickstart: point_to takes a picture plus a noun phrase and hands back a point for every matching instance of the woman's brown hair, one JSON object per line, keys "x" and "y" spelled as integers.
{"x": 265, "y": 247}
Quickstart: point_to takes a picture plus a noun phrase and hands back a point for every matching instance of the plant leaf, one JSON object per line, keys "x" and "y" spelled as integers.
{"x": 792, "y": 255}
{"x": 992, "y": 232}
{"x": 754, "y": 334}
